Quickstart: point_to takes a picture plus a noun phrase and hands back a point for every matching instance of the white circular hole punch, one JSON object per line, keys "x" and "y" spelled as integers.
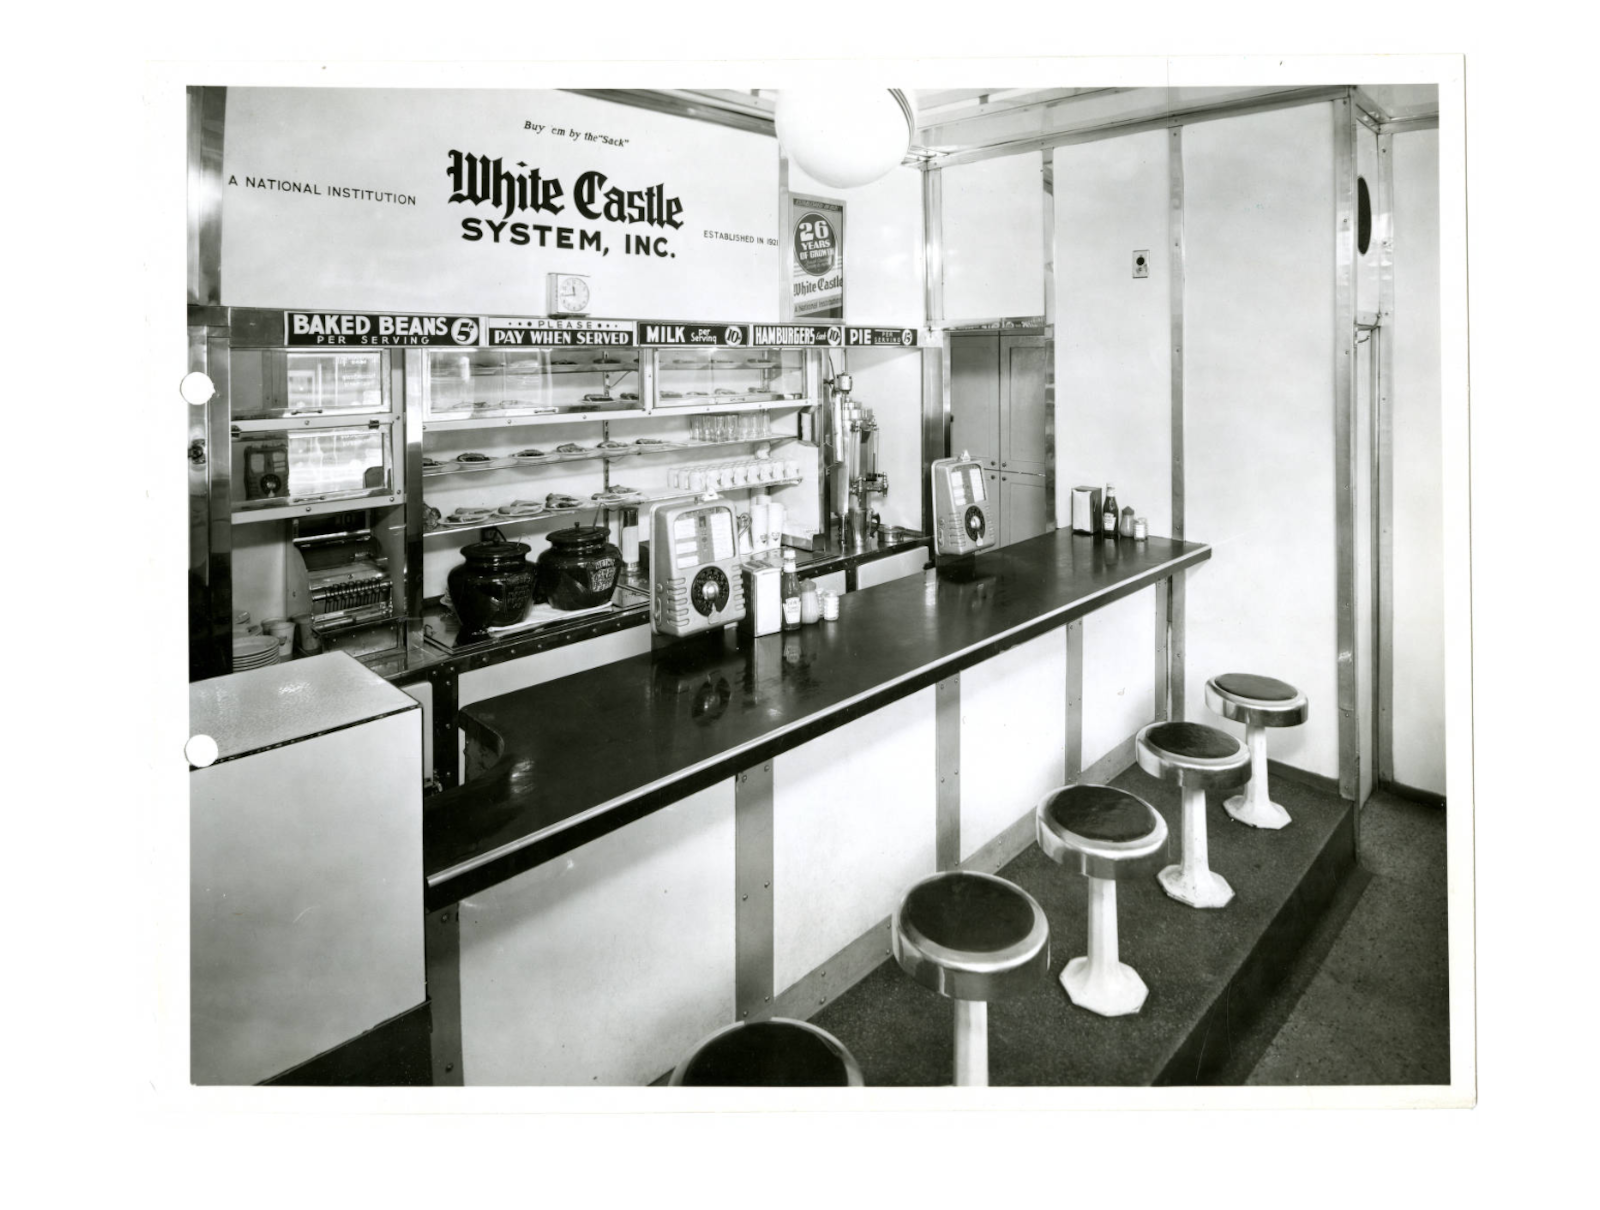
{"x": 197, "y": 388}
{"x": 201, "y": 751}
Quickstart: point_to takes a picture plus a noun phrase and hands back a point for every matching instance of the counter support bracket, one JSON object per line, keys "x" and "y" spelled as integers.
{"x": 442, "y": 961}
{"x": 947, "y": 759}
{"x": 1073, "y": 765}
{"x": 752, "y": 888}
{"x": 1162, "y": 671}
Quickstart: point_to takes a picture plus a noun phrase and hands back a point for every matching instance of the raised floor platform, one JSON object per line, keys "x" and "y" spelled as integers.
{"x": 1210, "y": 972}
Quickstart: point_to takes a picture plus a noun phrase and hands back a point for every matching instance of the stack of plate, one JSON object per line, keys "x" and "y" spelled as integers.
{"x": 256, "y": 651}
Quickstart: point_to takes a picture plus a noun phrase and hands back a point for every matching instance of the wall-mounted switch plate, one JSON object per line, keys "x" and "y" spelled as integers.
{"x": 1141, "y": 262}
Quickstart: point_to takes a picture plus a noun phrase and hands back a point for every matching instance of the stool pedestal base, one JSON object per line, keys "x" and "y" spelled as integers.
{"x": 1193, "y": 882}
{"x": 1100, "y": 982}
{"x": 1258, "y": 813}
{"x": 1197, "y": 888}
{"x": 1254, "y": 807}
{"x": 1112, "y": 990}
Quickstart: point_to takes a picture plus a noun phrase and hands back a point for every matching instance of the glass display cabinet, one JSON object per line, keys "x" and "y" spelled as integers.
{"x": 716, "y": 376}
{"x": 501, "y": 383}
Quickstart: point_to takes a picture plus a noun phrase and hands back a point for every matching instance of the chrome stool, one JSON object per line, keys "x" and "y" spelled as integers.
{"x": 1258, "y": 702}
{"x": 973, "y": 938}
{"x": 1104, "y": 834}
{"x": 1198, "y": 758}
{"x": 769, "y": 1054}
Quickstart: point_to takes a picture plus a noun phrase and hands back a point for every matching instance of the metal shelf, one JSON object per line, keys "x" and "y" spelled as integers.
{"x": 633, "y": 451}
{"x": 506, "y": 464}
{"x": 312, "y": 508}
{"x": 499, "y": 422}
{"x": 642, "y": 500}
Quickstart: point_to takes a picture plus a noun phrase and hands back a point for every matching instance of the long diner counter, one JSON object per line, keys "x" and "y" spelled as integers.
{"x": 576, "y": 758}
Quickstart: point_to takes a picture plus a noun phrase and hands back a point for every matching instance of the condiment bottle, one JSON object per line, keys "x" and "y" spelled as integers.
{"x": 790, "y": 593}
{"x": 810, "y": 603}
{"x": 1126, "y": 529}
{"x": 1108, "y": 513}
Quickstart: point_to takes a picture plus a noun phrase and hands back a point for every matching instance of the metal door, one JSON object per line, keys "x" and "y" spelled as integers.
{"x": 975, "y": 398}
{"x": 1024, "y": 377}
{"x": 1022, "y": 507}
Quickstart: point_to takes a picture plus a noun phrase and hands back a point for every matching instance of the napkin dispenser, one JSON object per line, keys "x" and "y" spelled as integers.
{"x": 1085, "y": 510}
{"x": 763, "y": 596}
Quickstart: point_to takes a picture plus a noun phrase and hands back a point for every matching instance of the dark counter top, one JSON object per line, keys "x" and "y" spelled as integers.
{"x": 581, "y": 756}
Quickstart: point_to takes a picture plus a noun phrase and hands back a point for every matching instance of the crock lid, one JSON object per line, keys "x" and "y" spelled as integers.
{"x": 495, "y": 551}
{"x": 578, "y": 535}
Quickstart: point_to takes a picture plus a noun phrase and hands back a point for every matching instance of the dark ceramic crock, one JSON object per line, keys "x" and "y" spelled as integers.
{"x": 580, "y": 568}
{"x": 494, "y": 587}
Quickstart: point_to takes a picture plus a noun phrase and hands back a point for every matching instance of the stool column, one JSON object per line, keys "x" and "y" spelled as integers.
{"x": 1101, "y": 982}
{"x": 1254, "y": 806}
{"x": 1193, "y": 882}
{"x": 972, "y": 1043}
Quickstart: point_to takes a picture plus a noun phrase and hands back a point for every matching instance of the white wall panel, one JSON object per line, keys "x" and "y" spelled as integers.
{"x": 1119, "y": 666}
{"x": 895, "y": 567}
{"x": 993, "y": 224}
{"x": 1419, "y": 686}
{"x": 889, "y": 381}
{"x": 1113, "y": 361}
{"x": 883, "y": 246}
{"x": 1258, "y": 415}
{"x": 606, "y": 965}
{"x": 314, "y": 245}
{"x": 1013, "y": 736}
{"x": 853, "y": 827}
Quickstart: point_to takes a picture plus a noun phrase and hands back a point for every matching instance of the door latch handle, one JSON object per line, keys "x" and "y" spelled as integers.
{"x": 197, "y": 451}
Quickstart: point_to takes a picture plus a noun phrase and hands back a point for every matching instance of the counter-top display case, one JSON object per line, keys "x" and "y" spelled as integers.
{"x": 491, "y": 384}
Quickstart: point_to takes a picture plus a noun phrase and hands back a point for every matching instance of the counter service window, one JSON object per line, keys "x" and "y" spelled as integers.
{"x": 698, "y": 377}
{"x": 461, "y": 385}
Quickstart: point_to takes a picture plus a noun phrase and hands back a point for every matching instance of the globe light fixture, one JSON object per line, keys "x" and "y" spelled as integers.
{"x": 845, "y": 137}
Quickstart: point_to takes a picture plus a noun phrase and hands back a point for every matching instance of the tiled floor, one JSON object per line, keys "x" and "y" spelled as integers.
{"x": 1377, "y": 1010}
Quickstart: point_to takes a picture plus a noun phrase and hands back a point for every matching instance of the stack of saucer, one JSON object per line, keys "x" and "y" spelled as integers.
{"x": 255, "y": 651}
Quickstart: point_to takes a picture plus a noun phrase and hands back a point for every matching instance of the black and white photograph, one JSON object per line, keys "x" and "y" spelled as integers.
{"x": 915, "y": 604}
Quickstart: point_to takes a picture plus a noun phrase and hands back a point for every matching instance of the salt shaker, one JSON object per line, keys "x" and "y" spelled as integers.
{"x": 810, "y": 603}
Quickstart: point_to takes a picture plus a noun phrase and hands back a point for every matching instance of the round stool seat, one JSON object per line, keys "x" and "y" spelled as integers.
{"x": 1195, "y": 756}
{"x": 1257, "y": 701}
{"x": 769, "y": 1054}
{"x": 1101, "y": 831}
{"x": 971, "y": 936}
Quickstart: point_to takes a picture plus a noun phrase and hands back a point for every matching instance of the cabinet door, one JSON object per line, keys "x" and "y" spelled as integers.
{"x": 1024, "y": 380}
{"x": 1022, "y": 512}
{"x": 975, "y": 398}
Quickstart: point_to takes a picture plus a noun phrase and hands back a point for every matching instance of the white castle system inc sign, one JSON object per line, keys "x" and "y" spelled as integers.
{"x": 517, "y": 198}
